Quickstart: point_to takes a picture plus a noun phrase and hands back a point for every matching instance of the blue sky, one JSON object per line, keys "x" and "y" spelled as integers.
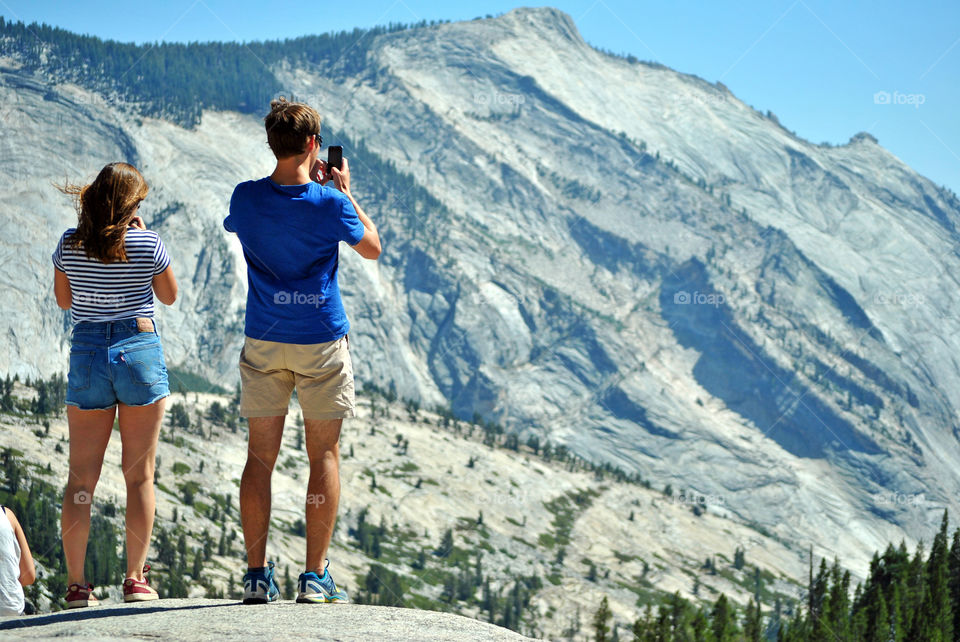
{"x": 818, "y": 65}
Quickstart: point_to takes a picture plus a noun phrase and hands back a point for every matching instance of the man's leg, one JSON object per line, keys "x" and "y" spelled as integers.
{"x": 262, "y": 451}
{"x": 323, "y": 489}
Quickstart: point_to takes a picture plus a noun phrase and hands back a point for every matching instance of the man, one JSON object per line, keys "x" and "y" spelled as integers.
{"x": 290, "y": 225}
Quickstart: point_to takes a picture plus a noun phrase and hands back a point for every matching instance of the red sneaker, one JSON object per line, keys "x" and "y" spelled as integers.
{"x": 80, "y": 596}
{"x": 138, "y": 591}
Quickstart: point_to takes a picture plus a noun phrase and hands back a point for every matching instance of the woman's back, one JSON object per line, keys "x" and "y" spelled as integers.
{"x": 112, "y": 291}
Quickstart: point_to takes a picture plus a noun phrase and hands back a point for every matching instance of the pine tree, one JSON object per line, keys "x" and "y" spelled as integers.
{"x": 837, "y": 607}
{"x": 601, "y": 621}
{"x": 954, "y": 582}
{"x": 936, "y": 615}
{"x": 289, "y": 587}
{"x": 752, "y": 625}
{"x": 723, "y": 625}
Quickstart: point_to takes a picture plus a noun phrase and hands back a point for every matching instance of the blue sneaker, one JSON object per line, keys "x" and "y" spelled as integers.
{"x": 320, "y": 590}
{"x": 259, "y": 587}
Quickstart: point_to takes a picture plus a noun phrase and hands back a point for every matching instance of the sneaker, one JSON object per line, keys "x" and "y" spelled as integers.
{"x": 259, "y": 587}
{"x": 139, "y": 590}
{"x": 320, "y": 590}
{"x": 80, "y": 596}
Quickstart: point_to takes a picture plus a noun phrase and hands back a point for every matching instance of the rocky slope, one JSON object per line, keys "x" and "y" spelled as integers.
{"x": 619, "y": 257}
{"x": 203, "y": 620}
{"x": 515, "y": 513}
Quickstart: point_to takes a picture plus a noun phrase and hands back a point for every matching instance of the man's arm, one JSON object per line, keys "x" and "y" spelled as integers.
{"x": 369, "y": 245}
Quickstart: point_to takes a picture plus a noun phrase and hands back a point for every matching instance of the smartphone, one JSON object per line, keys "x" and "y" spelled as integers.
{"x": 334, "y": 158}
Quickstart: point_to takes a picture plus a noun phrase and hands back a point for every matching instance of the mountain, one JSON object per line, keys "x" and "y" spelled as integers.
{"x": 602, "y": 252}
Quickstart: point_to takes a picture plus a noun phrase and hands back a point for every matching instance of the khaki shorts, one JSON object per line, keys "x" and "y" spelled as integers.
{"x": 322, "y": 373}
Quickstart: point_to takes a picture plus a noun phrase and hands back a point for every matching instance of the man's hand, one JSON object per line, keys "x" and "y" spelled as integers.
{"x": 138, "y": 223}
{"x": 318, "y": 172}
{"x": 341, "y": 177}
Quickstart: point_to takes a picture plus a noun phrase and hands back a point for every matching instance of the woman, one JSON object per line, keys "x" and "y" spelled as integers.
{"x": 107, "y": 271}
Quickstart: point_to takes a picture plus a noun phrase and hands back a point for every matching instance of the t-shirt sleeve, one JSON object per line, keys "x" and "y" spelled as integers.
{"x": 160, "y": 259}
{"x": 58, "y": 254}
{"x": 229, "y": 222}
{"x": 351, "y": 229}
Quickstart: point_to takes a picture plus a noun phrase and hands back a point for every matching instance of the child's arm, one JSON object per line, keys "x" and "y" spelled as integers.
{"x": 28, "y": 573}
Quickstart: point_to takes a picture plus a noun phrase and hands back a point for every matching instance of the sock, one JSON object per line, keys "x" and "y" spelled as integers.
{"x": 256, "y": 569}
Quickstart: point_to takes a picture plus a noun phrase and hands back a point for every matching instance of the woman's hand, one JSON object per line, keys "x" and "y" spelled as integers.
{"x": 138, "y": 223}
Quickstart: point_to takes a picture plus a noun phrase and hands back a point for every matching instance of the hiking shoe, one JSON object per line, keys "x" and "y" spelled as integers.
{"x": 320, "y": 590}
{"x": 259, "y": 586}
{"x": 139, "y": 590}
{"x": 80, "y": 596}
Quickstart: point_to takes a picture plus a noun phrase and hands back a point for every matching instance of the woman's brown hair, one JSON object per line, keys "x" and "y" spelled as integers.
{"x": 105, "y": 209}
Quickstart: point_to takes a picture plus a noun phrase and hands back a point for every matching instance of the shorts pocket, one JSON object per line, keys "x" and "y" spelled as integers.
{"x": 145, "y": 365}
{"x": 81, "y": 362}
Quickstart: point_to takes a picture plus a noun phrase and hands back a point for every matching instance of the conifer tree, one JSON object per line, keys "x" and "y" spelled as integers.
{"x": 936, "y": 616}
{"x": 723, "y": 624}
{"x": 601, "y": 621}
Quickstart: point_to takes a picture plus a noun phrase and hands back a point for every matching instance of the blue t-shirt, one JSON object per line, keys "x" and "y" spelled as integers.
{"x": 291, "y": 240}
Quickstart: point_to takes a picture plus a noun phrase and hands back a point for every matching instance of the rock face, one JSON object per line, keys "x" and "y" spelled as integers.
{"x": 610, "y": 254}
{"x": 202, "y": 619}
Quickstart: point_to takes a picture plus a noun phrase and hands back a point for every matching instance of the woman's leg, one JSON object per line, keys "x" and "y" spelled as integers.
{"x": 139, "y": 430}
{"x": 89, "y": 435}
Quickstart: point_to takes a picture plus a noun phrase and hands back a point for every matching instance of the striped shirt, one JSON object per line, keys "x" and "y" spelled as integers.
{"x": 112, "y": 291}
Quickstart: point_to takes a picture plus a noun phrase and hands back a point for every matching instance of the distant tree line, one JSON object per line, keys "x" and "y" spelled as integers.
{"x": 177, "y": 81}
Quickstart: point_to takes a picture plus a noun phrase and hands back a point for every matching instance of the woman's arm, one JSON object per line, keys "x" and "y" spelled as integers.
{"x": 61, "y": 289}
{"x": 28, "y": 573}
{"x": 165, "y": 286}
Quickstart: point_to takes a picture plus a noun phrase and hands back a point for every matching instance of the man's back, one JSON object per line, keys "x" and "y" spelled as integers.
{"x": 290, "y": 236}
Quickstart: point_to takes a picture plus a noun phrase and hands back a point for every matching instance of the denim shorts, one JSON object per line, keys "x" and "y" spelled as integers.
{"x": 111, "y": 361}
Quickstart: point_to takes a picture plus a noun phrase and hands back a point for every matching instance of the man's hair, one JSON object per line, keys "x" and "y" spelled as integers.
{"x": 288, "y": 126}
